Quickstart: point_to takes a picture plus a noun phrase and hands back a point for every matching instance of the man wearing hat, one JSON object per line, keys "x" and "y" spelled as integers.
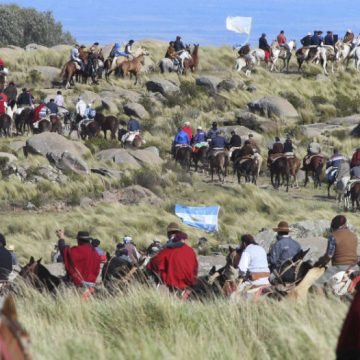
{"x": 82, "y": 262}
{"x": 306, "y": 40}
{"x": 200, "y": 136}
{"x": 316, "y": 39}
{"x": 213, "y": 131}
{"x": 329, "y": 39}
{"x": 285, "y": 247}
{"x": 341, "y": 248}
{"x": 75, "y": 56}
{"x": 349, "y": 37}
{"x": 133, "y": 253}
{"x": 288, "y": 146}
{"x": 176, "y": 264}
{"x": 5, "y": 259}
{"x": 94, "y": 48}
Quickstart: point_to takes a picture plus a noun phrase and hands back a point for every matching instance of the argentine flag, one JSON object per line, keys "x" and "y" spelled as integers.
{"x": 201, "y": 217}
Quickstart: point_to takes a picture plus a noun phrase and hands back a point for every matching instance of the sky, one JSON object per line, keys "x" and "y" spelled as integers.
{"x": 197, "y": 21}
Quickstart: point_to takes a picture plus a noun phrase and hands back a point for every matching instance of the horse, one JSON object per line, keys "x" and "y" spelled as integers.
{"x": 68, "y": 72}
{"x": 43, "y": 126}
{"x": 246, "y": 167}
{"x": 219, "y": 161}
{"x": 279, "y": 168}
{"x": 183, "y": 156}
{"x": 355, "y": 195}
{"x": 193, "y": 62}
{"x": 200, "y": 155}
{"x": 315, "y": 167}
{"x": 56, "y": 124}
{"x": 355, "y": 53}
{"x": 23, "y": 120}
{"x": 5, "y": 125}
{"x": 133, "y": 67}
{"x": 259, "y": 56}
{"x": 305, "y": 54}
{"x": 278, "y": 52}
{"x": 136, "y": 143}
{"x": 90, "y": 130}
{"x": 110, "y": 123}
{"x": 343, "y": 52}
{"x": 245, "y": 60}
{"x": 39, "y": 276}
{"x": 112, "y": 64}
{"x": 294, "y": 165}
{"x": 14, "y": 339}
{"x": 325, "y": 53}
{"x": 114, "y": 271}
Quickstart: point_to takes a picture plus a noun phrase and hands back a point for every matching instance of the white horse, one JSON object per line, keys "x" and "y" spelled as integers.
{"x": 246, "y": 62}
{"x": 278, "y": 52}
{"x": 167, "y": 65}
{"x": 355, "y": 54}
{"x": 324, "y": 54}
{"x": 343, "y": 51}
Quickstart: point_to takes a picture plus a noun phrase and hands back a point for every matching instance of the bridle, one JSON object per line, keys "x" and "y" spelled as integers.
{"x": 20, "y": 335}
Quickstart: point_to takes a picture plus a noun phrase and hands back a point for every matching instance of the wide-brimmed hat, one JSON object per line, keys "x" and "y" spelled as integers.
{"x": 283, "y": 226}
{"x": 11, "y": 247}
{"x": 83, "y": 235}
{"x": 173, "y": 227}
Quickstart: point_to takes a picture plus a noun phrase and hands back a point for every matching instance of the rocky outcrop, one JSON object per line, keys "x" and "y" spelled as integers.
{"x": 52, "y": 174}
{"x": 146, "y": 157}
{"x": 52, "y": 142}
{"x": 48, "y": 74}
{"x": 210, "y": 83}
{"x": 274, "y": 106}
{"x": 10, "y": 157}
{"x": 164, "y": 87}
{"x": 68, "y": 162}
{"x": 345, "y": 121}
{"x": 254, "y": 122}
{"x": 313, "y": 130}
{"x": 135, "y": 109}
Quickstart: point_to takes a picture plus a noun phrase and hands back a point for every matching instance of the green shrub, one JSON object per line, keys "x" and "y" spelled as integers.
{"x": 98, "y": 144}
{"x": 345, "y": 105}
{"x": 34, "y": 77}
{"x": 319, "y": 100}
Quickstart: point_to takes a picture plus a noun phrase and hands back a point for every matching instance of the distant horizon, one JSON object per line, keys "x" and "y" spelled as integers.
{"x": 200, "y": 22}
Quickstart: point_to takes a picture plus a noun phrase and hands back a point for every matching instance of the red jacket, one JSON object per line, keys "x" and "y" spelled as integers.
{"x": 188, "y": 130}
{"x": 36, "y": 116}
{"x": 349, "y": 340}
{"x": 177, "y": 267}
{"x": 281, "y": 39}
{"x": 3, "y": 100}
{"x": 82, "y": 263}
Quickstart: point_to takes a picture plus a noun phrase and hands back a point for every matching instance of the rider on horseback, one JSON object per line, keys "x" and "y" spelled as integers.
{"x": 133, "y": 129}
{"x": 172, "y": 54}
{"x": 355, "y": 160}
{"x": 75, "y": 57}
{"x": 128, "y": 48}
{"x": 317, "y": 39}
{"x": 5, "y": 260}
{"x": 312, "y": 150}
{"x": 199, "y": 140}
{"x": 264, "y": 45}
{"x": 281, "y": 39}
{"x": 333, "y": 165}
{"x": 329, "y": 39}
{"x": 218, "y": 143}
{"x": 40, "y": 113}
{"x": 306, "y": 40}
{"x": 213, "y": 131}
{"x": 349, "y": 38}
{"x": 289, "y": 147}
{"x": 178, "y": 44}
{"x": 181, "y": 139}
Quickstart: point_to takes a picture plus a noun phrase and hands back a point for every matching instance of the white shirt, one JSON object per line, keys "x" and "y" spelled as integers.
{"x": 253, "y": 260}
{"x": 59, "y": 100}
{"x": 81, "y": 107}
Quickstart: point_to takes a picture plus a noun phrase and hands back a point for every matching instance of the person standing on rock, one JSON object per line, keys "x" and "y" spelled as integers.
{"x": 284, "y": 249}
{"x": 176, "y": 264}
{"x": 341, "y": 249}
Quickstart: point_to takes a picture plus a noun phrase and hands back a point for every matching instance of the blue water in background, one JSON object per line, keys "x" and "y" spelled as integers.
{"x": 197, "y": 21}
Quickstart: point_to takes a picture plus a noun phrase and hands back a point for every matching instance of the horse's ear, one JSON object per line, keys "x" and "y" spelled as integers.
{"x": 9, "y": 308}
{"x": 39, "y": 261}
{"x": 32, "y": 260}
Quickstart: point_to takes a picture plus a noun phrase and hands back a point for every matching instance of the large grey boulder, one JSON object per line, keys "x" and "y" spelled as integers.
{"x": 137, "y": 194}
{"x": 208, "y": 82}
{"x": 227, "y": 85}
{"x": 49, "y": 74}
{"x": 345, "y": 121}
{"x": 274, "y": 106}
{"x": 52, "y": 142}
{"x": 165, "y": 87}
{"x": 118, "y": 156}
{"x": 129, "y": 95}
{"x": 109, "y": 105}
{"x": 10, "y": 157}
{"x": 17, "y": 145}
{"x": 50, "y": 173}
{"x": 254, "y": 122}
{"x": 313, "y": 130}
{"x": 68, "y": 162}
{"x": 146, "y": 157}
{"x": 135, "y": 109}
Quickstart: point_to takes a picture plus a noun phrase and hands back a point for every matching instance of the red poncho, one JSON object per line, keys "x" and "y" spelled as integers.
{"x": 177, "y": 267}
{"x": 188, "y": 130}
{"x": 36, "y": 116}
{"x": 349, "y": 340}
{"x": 3, "y": 100}
{"x": 82, "y": 263}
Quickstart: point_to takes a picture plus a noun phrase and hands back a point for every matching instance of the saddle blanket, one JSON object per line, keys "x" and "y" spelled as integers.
{"x": 129, "y": 136}
{"x": 308, "y": 158}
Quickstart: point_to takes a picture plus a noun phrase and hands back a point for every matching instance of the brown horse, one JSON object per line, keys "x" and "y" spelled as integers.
{"x": 5, "y": 124}
{"x": 133, "y": 67}
{"x": 219, "y": 162}
{"x": 355, "y": 196}
{"x": 279, "y": 170}
{"x": 68, "y": 72}
{"x": 136, "y": 143}
{"x": 192, "y": 63}
{"x": 110, "y": 123}
{"x": 246, "y": 167}
{"x": 315, "y": 167}
{"x": 14, "y": 339}
{"x": 294, "y": 166}
{"x": 56, "y": 124}
{"x": 43, "y": 126}
{"x": 200, "y": 156}
{"x": 90, "y": 130}
{"x": 183, "y": 156}
{"x": 23, "y": 120}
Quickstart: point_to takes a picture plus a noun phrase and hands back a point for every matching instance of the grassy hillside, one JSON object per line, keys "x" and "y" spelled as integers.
{"x": 145, "y": 323}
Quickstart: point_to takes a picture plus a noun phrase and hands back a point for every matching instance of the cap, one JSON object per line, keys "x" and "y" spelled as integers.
{"x": 349, "y": 31}
{"x": 187, "y": 123}
{"x": 127, "y": 239}
{"x": 199, "y": 128}
{"x": 309, "y": 34}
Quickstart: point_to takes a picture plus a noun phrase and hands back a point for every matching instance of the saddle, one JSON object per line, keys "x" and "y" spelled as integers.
{"x": 274, "y": 157}
{"x": 245, "y": 158}
{"x": 351, "y": 183}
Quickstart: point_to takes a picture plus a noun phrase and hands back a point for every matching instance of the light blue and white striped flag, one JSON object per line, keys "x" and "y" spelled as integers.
{"x": 202, "y": 217}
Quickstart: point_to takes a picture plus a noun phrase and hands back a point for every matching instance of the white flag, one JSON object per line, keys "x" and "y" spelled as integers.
{"x": 239, "y": 24}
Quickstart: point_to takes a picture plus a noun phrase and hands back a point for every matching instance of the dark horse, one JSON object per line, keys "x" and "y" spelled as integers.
{"x": 90, "y": 130}
{"x": 5, "y": 125}
{"x": 23, "y": 120}
{"x": 192, "y": 63}
{"x": 355, "y": 195}
{"x": 110, "y": 123}
{"x": 39, "y": 276}
{"x": 219, "y": 162}
{"x": 315, "y": 167}
{"x": 183, "y": 156}
{"x": 279, "y": 170}
{"x": 247, "y": 168}
{"x": 200, "y": 156}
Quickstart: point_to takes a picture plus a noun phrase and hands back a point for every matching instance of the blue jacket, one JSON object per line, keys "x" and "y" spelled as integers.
{"x": 316, "y": 40}
{"x": 212, "y": 133}
{"x": 284, "y": 249}
{"x": 329, "y": 40}
{"x": 52, "y": 107}
{"x": 199, "y": 137}
{"x": 182, "y": 138}
{"x": 218, "y": 142}
{"x": 335, "y": 161}
{"x": 133, "y": 125}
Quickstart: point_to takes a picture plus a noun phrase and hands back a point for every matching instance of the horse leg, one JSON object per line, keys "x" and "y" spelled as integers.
{"x": 306, "y": 178}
